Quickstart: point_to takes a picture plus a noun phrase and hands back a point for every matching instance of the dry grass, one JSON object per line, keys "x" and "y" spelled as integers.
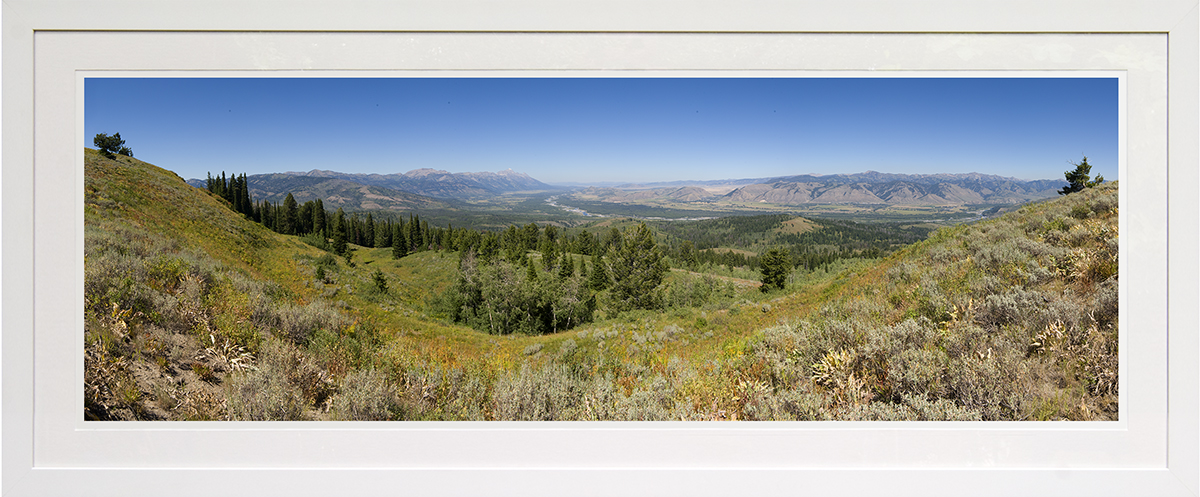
{"x": 195, "y": 313}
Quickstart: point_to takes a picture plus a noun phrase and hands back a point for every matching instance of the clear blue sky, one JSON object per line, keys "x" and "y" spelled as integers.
{"x": 604, "y": 129}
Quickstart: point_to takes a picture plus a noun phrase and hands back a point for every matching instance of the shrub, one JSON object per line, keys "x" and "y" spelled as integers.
{"x": 296, "y": 322}
{"x": 653, "y": 402}
{"x": 1080, "y": 211}
{"x": 380, "y": 281}
{"x": 544, "y": 394}
{"x": 787, "y": 405}
{"x": 992, "y": 381}
{"x": 282, "y": 361}
{"x": 365, "y": 395}
{"x": 264, "y": 396}
{"x": 910, "y": 408}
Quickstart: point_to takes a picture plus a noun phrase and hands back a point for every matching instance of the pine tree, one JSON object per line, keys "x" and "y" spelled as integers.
{"x": 566, "y": 268}
{"x": 380, "y": 281}
{"x": 339, "y": 232}
{"x": 549, "y": 255}
{"x": 598, "y": 280}
{"x": 368, "y": 235}
{"x": 289, "y": 215}
{"x": 111, "y": 146}
{"x": 383, "y": 234}
{"x": 247, "y": 202}
{"x": 319, "y": 218}
{"x": 531, "y": 273}
{"x": 235, "y": 194}
{"x": 414, "y": 232}
{"x": 353, "y": 230}
{"x": 399, "y": 244}
{"x": 304, "y": 218}
{"x": 775, "y": 265}
{"x": 1079, "y": 178}
{"x": 638, "y": 269}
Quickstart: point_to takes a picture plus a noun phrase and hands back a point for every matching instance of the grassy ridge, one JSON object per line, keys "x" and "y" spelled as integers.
{"x": 193, "y": 312}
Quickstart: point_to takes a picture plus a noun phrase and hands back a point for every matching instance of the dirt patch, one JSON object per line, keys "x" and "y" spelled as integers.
{"x": 796, "y": 226}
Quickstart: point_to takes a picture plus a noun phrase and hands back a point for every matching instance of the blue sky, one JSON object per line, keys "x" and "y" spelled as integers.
{"x": 613, "y": 129}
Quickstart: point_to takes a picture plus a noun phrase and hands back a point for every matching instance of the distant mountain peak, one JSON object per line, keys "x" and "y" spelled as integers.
{"x": 424, "y": 171}
{"x": 426, "y": 181}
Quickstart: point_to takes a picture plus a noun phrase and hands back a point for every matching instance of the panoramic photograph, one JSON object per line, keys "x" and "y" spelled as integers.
{"x": 601, "y": 249}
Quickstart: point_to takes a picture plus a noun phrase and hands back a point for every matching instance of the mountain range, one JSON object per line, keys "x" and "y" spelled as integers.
{"x": 441, "y": 184}
{"x": 430, "y": 188}
{"x": 421, "y": 188}
{"x": 862, "y": 188}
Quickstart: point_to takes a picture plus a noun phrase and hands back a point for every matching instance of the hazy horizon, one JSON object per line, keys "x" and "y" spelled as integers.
{"x": 613, "y": 130}
{"x": 614, "y": 183}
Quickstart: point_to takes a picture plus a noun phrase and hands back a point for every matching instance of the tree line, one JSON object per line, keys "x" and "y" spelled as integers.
{"x": 331, "y": 231}
{"x": 527, "y": 279}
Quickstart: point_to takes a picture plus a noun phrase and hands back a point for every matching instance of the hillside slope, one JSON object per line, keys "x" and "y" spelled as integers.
{"x": 1014, "y": 318}
{"x": 193, "y": 312}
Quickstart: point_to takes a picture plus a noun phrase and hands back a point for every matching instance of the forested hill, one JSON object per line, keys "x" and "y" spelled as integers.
{"x": 335, "y": 193}
{"x": 394, "y": 188}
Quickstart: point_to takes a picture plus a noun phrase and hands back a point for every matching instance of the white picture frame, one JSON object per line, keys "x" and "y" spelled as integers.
{"x": 48, "y": 47}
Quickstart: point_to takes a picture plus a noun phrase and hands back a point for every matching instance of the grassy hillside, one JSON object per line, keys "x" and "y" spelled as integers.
{"x": 193, "y": 312}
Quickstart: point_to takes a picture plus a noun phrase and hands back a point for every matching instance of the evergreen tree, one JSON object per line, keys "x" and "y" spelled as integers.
{"x": 235, "y": 194}
{"x": 529, "y": 240}
{"x": 289, "y": 216}
{"x": 111, "y": 146}
{"x": 304, "y": 218}
{"x": 638, "y": 269}
{"x": 383, "y": 234}
{"x": 598, "y": 280}
{"x": 339, "y": 232}
{"x": 612, "y": 241}
{"x": 1079, "y": 178}
{"x": 319, "y": 217}
{"x": 531, "y": 272}
{"x": 399, "y": 244}
{"x": 380, "y": 281}
{"x": 687, "y": 255}
{"x": 489, "y": 246}
{"x": 267, "y": 215}
{"x": 775, "y": 265}
{"x": 511, "y": 243}
{"x": 369, "y": 231}
{"x": 247, "y": 202}
{"x": 414, "y": 232}
{"x": 585, "y": 243}
{"x": 566, "y": 268}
